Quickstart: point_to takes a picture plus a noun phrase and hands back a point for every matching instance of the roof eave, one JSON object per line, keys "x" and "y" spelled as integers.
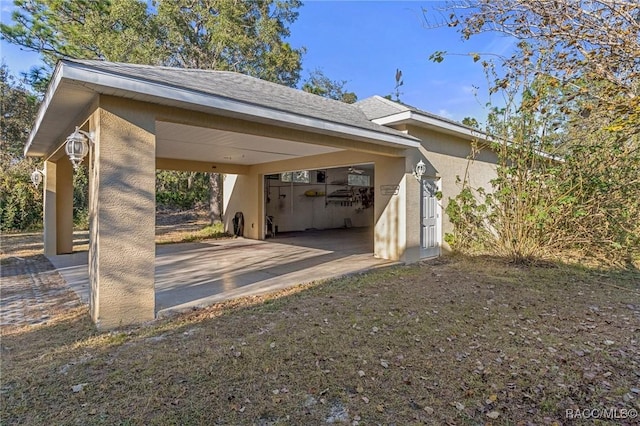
{"x": 102, "y": 81}
{"x": 56, "y": 78}
{"x": 411, "y": 117}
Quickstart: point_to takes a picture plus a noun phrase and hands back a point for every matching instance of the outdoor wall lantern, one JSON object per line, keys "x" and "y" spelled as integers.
{"x": 420, "y": 170}
{"x": 77, "y": 147}
{"x": 36, "y": 177}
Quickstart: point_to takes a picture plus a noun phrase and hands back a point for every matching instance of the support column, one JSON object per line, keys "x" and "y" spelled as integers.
{"x": 58, "y": 207}
{"x": 122, "y": 215}
{"x": 390, "y": 209}
{"x": 49, "y": 206}
{"x": 64, "y": 206}
{"x": 412, "y": 224}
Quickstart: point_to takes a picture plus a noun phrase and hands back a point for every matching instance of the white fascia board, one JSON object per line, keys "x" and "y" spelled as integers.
{"x": 56, "y": 78}
{"x": 93, "y": 77}
{"x": 410, "y": 116}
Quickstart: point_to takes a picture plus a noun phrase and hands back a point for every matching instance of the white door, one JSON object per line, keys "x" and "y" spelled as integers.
{"x": 430, "y": 218}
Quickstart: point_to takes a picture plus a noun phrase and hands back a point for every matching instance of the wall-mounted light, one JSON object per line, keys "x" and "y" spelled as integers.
{"x": 36, "y": 177}
{"x": 420, "y": 170}
{"x": 77, "y": 147}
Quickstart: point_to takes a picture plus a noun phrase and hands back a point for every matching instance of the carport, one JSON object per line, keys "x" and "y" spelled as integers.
{"x": 196, "y": 275}
{"x": 143, "y": 118}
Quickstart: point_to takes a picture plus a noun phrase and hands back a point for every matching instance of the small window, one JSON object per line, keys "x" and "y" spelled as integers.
{"x": 301, "y": 176}
{"x": 358, "y": 180}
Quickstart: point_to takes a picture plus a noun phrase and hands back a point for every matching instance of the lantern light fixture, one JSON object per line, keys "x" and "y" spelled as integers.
{"x": 420, "y": 170}
{"x": 77, "y": 146}
{"x": 36, "y": 177}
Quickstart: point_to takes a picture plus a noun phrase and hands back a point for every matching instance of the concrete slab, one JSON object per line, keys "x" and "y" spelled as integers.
{"x": 194, "y": 275}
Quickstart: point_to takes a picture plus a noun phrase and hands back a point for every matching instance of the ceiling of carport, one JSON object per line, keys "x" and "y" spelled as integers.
{"x": 185, "y": 142}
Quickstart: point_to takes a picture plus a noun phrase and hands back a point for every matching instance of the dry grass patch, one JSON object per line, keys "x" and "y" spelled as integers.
{"x": 445, "y": 342}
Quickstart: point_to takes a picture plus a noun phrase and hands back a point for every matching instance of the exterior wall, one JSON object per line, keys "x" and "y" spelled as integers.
{"x": 242, "y": 193}
{"x": 122, "y": 215}
{"x": 446, "y": 156}
{"x": 390, "y": 209}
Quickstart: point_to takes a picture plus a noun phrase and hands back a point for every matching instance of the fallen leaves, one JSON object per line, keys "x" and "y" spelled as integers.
{"x": 493, "y": 415}
{"x": 375, "y": 363}
{"x": 458, "y": 405}
{"x": 79, "y": 387}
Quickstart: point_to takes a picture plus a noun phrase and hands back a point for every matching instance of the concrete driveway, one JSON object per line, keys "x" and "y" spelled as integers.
{"x": 193, "y": 275}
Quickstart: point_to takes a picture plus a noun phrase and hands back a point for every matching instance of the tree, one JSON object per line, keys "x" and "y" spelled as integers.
{"x": 246, "y": 37}
{"x": 115, "y": 30}
{"x": 591, "y": 46}
{"x": 319, "y": 84}
{"x": 242, "y": 36}
{"x": 471, "y": 122}
{"x": 571, "y": 89}
{"x": 20, "y": 202}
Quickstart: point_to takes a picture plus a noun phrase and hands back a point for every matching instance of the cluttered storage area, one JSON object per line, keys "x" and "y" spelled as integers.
{"x": 319, "y": 199}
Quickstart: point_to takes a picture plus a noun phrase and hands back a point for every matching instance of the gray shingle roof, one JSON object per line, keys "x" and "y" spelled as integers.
{"x": 377, "y": 107}
{"x": 244, "y": 88}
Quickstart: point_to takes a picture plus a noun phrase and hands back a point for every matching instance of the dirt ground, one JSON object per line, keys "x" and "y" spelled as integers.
{"x": 449, "y": 341}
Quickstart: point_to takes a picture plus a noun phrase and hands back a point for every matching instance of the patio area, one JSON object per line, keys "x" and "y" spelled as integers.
{"x": 194, "y": 275}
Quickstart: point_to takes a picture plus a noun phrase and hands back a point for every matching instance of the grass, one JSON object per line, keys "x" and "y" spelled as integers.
{"x": 188, "y": 236}
{"x": 451, "y": 341}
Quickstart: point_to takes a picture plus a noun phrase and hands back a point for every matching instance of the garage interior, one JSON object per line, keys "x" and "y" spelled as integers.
{"x": 319, "y": 200}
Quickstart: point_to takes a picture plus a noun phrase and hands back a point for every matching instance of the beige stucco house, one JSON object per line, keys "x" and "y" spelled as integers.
{"x": 292, "y": 161}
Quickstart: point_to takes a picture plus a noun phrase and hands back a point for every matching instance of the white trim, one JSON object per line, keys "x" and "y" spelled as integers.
{"x": 439, "y": 210}
{"x": 439, "y": 213}
{"x": 411, "y": 116}
{"x": 56, "y": 78}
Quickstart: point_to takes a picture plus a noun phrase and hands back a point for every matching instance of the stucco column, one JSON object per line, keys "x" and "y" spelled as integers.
{"x": 58, "y": 207}
{"x": 122, "y": 215}
{"x": 64, "y": 206}
{"x": 49, "y": 209}
{"x": 412, "y": 224}
{"x": 390, "y": 209}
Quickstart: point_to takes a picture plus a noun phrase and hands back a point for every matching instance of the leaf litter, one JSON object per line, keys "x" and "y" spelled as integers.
{"x": 445, "y": 342}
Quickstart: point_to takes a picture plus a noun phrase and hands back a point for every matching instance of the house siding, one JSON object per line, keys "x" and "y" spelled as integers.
{"x": 447, "y": 156}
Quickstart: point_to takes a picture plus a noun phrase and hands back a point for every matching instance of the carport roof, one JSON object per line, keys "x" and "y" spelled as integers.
{"x": 75, "y": 83}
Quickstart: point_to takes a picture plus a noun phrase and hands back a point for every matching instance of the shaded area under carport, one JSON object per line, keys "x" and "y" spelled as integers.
{"x": 194, "y": 275}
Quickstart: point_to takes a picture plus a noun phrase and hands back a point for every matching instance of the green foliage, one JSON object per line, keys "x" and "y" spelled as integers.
{"x": 320, "y": 84}
{"x": 571, "y": 89}
{"x": 81, "y": 198}
{"x": 115, "y": 30}
{"x": 246, "y": 37}
{"x": 20, "y": 201}
{"x": 471, "y": 122}
{"x": 181, "y": 190}
{"x": 582, "y": 201}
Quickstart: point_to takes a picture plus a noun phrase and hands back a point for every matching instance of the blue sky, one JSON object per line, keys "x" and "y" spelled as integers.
{"x": 363, "y": 42}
